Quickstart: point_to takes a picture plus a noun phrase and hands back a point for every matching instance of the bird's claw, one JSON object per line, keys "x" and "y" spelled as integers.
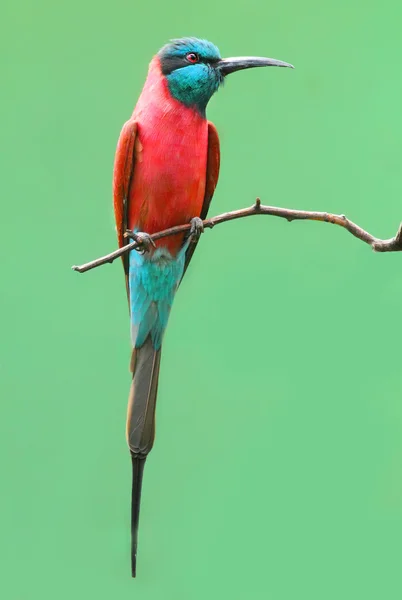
{"x": 144, "y": 241}
{"x": 197, "y": 228}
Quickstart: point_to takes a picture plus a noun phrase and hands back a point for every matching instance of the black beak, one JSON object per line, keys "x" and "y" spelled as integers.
{"x": 237, "y": 63}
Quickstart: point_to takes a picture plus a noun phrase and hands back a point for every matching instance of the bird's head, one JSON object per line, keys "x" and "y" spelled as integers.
{"x": 194, "y": 69}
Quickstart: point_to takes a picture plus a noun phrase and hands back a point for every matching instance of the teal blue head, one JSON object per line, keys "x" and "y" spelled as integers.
{"x": 194, "y": 69}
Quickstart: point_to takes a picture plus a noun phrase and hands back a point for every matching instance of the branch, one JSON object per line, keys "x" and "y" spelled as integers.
{"x": 391, "y": 245}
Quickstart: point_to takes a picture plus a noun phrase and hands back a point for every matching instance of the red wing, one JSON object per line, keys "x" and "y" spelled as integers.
{"x": 213, "y": 163}
{"x": 122, "y": 176}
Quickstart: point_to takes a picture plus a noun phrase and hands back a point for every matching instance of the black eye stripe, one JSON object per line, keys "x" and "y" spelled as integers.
{"x": 171, "y": 63}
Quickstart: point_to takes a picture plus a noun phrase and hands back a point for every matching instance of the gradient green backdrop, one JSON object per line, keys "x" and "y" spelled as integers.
{"x": 276, "y": 473}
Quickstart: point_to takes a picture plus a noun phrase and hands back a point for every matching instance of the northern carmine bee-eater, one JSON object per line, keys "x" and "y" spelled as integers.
{"x": 165, "y": 173}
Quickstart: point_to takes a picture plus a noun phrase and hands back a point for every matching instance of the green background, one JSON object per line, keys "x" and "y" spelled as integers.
{"x": 276, "y": 472}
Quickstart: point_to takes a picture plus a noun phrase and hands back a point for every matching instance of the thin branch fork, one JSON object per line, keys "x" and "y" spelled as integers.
{"x": 393, "y": 244}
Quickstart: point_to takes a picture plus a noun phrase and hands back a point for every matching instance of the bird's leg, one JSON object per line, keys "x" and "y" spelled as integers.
{"x": 144, "y": 240}
{"x": 197, "y": 228}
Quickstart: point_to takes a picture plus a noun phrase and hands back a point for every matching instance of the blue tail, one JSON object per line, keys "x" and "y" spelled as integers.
{"x": 153, "y": 281}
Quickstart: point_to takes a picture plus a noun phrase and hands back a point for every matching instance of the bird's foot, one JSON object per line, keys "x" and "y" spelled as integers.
{"x": 197, "y": 228}
{"x": 144, "y": 241}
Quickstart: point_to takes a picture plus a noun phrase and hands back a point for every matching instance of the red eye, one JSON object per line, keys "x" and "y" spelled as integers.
{"x": 192, "y": 57}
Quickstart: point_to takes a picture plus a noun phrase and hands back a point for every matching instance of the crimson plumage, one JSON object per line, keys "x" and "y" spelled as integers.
{"x": 161, "y": 163}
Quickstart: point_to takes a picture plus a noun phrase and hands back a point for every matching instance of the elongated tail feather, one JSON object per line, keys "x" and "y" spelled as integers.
{"x": 138, "y": 470}
{"x": 141, "y": 426}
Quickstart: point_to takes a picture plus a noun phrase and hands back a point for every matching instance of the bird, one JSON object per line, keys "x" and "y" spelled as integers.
{"x": 165, "y": 173}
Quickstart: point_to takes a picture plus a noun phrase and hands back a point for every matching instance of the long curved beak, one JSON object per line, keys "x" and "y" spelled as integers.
{"x": 237, "y": 63}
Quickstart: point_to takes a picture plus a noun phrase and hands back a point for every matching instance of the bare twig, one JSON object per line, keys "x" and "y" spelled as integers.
{"x": 393, "y": 244}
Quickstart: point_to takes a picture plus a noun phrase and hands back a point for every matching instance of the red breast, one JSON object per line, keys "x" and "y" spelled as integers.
{"x": 168, "y": 186}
